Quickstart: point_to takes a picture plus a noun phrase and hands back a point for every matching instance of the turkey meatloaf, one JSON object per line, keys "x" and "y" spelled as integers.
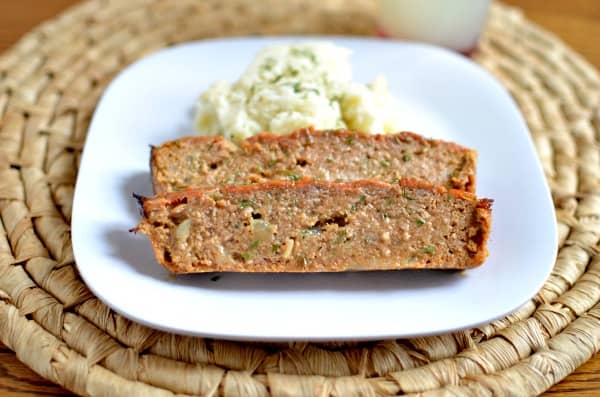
{"x": 314, "y": 226}
{"x": 323, "y": 155}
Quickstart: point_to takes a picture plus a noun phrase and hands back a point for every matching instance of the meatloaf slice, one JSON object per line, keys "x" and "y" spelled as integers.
{"x": 311, "y": 226}
{"x": 323, "y": 155}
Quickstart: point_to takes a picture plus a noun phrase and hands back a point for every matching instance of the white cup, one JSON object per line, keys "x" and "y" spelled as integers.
{"x": 454, "y": 24}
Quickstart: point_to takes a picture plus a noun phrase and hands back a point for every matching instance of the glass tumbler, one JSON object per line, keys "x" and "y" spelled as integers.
{"x": 455, "y": 24}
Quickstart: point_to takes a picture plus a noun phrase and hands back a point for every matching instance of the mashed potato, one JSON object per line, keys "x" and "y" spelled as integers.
{"x": 294, "y": 86}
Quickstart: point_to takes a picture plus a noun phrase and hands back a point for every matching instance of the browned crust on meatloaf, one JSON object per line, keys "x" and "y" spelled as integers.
{"x": 163, "y": 216}
{"x": 330, "y": 155}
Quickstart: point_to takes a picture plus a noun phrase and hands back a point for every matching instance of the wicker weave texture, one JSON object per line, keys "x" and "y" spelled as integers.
{"x": 50, "y": 83}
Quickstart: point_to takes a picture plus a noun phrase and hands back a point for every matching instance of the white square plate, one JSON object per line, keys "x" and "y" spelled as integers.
{"x": 443, "y": 96}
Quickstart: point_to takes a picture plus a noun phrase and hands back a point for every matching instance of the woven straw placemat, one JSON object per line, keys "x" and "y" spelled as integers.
{"x": 49, "y": 84}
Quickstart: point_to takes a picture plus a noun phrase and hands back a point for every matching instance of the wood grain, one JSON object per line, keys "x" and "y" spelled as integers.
{"x": 17, "y": 380}
{"x": 576, "y": 21}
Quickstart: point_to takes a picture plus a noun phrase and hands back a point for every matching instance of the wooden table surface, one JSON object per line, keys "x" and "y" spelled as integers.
{"x": 576, "y": 21}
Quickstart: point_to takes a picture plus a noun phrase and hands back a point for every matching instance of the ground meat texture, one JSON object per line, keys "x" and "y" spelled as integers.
{"x": 311, "y": 226}
{"x": 334, "y": 156}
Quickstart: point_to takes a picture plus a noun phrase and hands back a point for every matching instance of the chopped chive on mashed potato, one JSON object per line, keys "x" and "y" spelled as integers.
{"x": 294, "y": 86}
